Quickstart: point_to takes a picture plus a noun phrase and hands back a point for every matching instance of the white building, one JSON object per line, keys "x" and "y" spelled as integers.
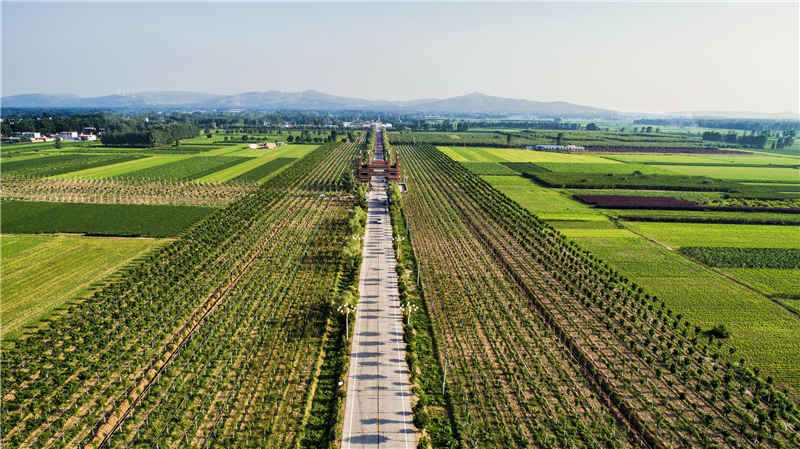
{"x": 69, "y": 135}
{"x": 31, "y": 135}
{"x": 553, "y": 147}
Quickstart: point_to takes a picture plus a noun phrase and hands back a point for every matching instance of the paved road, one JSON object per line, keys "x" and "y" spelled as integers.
{"x": 378, "y": 406}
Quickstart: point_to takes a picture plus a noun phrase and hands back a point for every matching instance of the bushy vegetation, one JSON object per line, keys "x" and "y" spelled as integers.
{"x": 744, "y": 257}
{"x": 128, "y": 220}
{"x": 525, "y": 167}
{"x": 152, "y": 135}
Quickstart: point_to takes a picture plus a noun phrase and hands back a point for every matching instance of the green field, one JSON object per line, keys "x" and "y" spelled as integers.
{"x": 61, "y": 164}
{"x": 548, "y": 204}
{"x": 693, "y": 159}
{"x": 626, "y": 169}
{"x": 470, "y": 154}
{"x": 489, "y": 168}
{"x": 782, "y": 283}
{"x": 676, "y": 235}
{"x": 129, "y": 220}
{"x": 268, "y": 169}
{"x": 765, "y": 174}
{"x": 124, "y": 168}
{"x": 42, "y": 273}
{"x": 193, "y": 168}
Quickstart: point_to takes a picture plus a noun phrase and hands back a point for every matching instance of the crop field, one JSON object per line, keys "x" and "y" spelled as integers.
{"x": 548, "y": 203}
{"x": 512, "y": 302}
{"x": 489, "y": 168}
{"x": 530, "y": 318}
{"x": 469, "y": 154}
{"x": 676, "y": 235}
{"x": 721, "y": 257}
{"x": 224, "y": 354}
{"x": 706, "y": 159}
{"x": 736, "y": 173}
{"x": 187, "y": 169}
{"x": 42, "y": 274}
{"x": 58, "y": 165}
{"x": 617, "y": 169}
{"x": 109, "y": 191}
{"x": 262, "y": 171}
{"x": 128, "y": 220}
{"x": 122, "y": 169}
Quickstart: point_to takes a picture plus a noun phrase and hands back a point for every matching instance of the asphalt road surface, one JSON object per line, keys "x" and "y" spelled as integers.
{"x": 378, "y": 405}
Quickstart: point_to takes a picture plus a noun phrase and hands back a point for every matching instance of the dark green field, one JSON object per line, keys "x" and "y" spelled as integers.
{"x": 127, "y": 220}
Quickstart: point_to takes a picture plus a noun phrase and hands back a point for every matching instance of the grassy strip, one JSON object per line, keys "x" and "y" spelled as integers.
{"x": 121, "y": 220}
{"x": 489, "y": 168}
{"x": 744, "y": 257}
{"x": 264, "y": 170}
{"x": 525, "y": 167}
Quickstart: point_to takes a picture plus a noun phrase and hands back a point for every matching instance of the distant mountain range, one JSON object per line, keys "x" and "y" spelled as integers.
{"x": 314, "y": 100}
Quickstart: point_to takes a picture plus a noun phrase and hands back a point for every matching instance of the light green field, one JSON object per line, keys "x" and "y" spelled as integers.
{"x": 471, "y": 154}
{"x": 42, "y": 273}
{"x": 676, "y": 235}
{"x": 621, "y": 169}
{"x": 296, "y": 151}
{"x": 232, "y": 172}
{"x": 734, "y": 173}
{"x": 770, "y": 281}
{"x": 547, "y": 203}
{"x": 124, "y": 167}
{"x": 748, "y": 159}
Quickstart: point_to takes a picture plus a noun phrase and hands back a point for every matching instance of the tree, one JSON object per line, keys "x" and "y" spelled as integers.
{"x": 290, "y": 139}
{"x": 208, "y": 136}
{"x": 245, "y": 138}
{"x": 508, "y": 139}
{"x": 559, "y": 138}
{"x": 58, "y": 143}
{"x": 591, "y": 127}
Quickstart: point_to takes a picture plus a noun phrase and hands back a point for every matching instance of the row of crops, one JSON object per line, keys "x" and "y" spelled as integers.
{"x": 134, "y": 191}
{"x": 212, "y": 341}
{"x": 546, "y": 346}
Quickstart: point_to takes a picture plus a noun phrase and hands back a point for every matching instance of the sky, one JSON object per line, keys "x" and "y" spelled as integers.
{"x": 648, "y": 57}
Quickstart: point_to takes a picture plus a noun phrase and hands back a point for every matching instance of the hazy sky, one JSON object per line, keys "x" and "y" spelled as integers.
{"x": 622, "y": 56}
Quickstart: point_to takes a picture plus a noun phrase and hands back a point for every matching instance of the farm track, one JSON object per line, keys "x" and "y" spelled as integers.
{"x": 653, "y": 374}
{"x": 286, "y": 244}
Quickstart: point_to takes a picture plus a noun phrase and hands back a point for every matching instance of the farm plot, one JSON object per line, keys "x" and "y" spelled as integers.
{"x": 210, "y": 342}
{"x": 122, "y": 169}
{"x": 548, "y": 203}
{"x": 187, "y": 169}
{"x": 568, "y": 304}
{"x": 735, "y": 173}
{"x": 262, "y": 171}
{"x": 617, "y": 169}
{"x": 676, "y": 235}
{"x": 469, "y": 154}
{"x": 489, "y": 168}
{"x": 110, "y": 191}
{"x": 128, "y": 220}
{"x": 43, "y": 273}
{"x": 61, "y": 164}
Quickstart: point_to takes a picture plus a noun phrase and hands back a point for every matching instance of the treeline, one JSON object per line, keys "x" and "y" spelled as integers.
{"x": 742, "y": 124}
{"x": 751, "y": 141}
{"x": 157, "y": 135}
